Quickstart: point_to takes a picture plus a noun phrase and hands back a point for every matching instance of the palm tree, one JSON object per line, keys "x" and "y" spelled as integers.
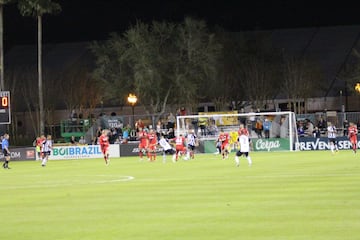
{"x": 37, "y": 8}
{"x": 2, "y": 3}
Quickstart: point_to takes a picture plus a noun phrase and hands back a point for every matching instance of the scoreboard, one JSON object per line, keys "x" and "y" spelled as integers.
{"x": 5, "y": 111}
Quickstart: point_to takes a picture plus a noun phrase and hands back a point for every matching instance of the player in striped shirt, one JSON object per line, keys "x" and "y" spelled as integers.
{"x": 191, "y": 141}
{"x": 167, "y": 148}
{"x": 331, "y": 130}
{"x": 46, "y": 148}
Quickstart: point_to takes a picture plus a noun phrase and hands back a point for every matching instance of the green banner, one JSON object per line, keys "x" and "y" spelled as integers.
{"x": 209, "y": 146}
{"x": 258, "y": 144}
{"x": 271, "y": 144}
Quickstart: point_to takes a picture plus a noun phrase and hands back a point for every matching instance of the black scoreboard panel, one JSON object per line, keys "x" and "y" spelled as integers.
{"x": 5, "y": 110}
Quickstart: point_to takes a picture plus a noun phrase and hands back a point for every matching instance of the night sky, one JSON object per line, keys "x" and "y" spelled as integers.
{"x": 82, "y": 20}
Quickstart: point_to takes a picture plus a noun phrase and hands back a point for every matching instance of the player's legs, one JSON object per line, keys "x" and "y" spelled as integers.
{"x": 179, "y": 150}
{"x": 222, "y": 151}
{"x": 190, "y": 152}
{"x": 227, "y": 150}
{"x": 332, "y": 147}
{"x": 106, "y": 155}
{"x": 43, "y": 159}
{"x": 237, "y": 160}
{"x": 164, "y": 156}
{"x": 248, "y": 158}
{"x": 336, "y": 146}
{"x": 6, "y": 161}
{"x": 152, "y": 153}
{"x": 354, "y": 144}
{"x": 142, "y": 151}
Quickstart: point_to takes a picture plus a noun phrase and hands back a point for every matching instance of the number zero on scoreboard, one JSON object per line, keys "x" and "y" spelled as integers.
{"x": 4, "y": 101}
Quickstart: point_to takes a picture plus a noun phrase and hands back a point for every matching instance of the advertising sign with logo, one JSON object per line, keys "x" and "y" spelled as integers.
{"x": 78, "y": 152}
{"x": 308, "y": 143}
{"x": 271, "y": 144}
{"x": 21, "y": 154}
{"x": 223, "y": 120}
{"x": 132, "y": 149}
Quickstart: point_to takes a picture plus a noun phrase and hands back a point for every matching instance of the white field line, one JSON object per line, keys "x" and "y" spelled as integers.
{"x": 71, "y": 182}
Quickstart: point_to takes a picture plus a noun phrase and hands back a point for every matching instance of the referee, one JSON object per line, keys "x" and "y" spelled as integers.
{"x": 6, "y": 151}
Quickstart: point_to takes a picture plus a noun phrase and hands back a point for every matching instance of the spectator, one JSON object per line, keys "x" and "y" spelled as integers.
{"x": 82, "y": 140}
{"x": 171, "y": 133}
{"x": 267, "y": 127}
{"x": 74, "y": 120}
{"x": 242, "y": 119}
{"x": 202, "y": 125}
{"x": 346, "y": 127}
{"x": 182, "y": 120}
{"x": 171, "y": 121}
{"x": 73, "y": 140}
{"x": 259, "y": 128}
{"x": 195, "y": 123}
{"x": 316, "y": 132}
{"x": 159, "y": 127}
{"x": 309, "y": 128}
{"x": 126, "y": 133}
{"x": 252, "y": 120}
{"x": 322, "y": 124}
{"x": 301, "y": 131}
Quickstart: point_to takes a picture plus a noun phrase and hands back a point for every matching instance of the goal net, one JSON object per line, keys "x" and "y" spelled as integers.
{"x": 269, "y": 131}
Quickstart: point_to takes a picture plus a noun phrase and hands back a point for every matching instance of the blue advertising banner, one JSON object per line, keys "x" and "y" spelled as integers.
{"x": 309, "y": 143}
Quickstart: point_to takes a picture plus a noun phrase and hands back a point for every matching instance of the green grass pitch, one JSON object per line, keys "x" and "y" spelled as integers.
{"x": 292, "y": 195}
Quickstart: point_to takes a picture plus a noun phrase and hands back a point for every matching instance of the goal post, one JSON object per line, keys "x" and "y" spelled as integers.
{"x": 278, "y": 132}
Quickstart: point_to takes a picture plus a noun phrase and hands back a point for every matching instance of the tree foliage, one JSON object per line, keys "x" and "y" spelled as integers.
{"x": 163, "y": 63}
{"x": 35, "y": 8}
{"x": 301, "y": 79}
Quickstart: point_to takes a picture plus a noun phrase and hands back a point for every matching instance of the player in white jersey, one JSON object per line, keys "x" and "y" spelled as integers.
{"x": 331, "y": 130}
{"x": 167, "y": 148}
{"x": 191, "y": 143}
{"x": 244, "y": 147}
{"x": 46, "y": 150}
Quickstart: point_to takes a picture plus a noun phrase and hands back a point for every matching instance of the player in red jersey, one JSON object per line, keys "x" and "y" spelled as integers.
{"x": 152, "y": 145}
{"x": 144, "y": 142}
{"x": 243, "y": 130}
{"x": 224, "y": 141}
{"x": 104, "y": 145}
{"x": 38, "y": 145}
{"x": 352, "y": 135}
{"x": 179, "y": 147}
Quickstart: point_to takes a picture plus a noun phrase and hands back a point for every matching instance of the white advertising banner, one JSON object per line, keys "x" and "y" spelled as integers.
{"x": 79, "y": 152}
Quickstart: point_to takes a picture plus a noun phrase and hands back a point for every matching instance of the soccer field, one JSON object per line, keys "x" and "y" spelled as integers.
{"x": 293, "y": 195}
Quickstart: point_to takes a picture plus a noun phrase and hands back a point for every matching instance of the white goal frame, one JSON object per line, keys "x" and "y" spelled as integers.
{"x": 182, "y": 125}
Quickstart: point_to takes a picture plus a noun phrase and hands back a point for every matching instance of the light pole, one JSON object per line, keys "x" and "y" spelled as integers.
{"x": 132, "y": 99}
{"x": 357, "y": 87}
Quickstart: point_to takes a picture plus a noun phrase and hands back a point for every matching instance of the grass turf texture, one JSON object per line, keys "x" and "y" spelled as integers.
{"x": 294, "y": 195}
